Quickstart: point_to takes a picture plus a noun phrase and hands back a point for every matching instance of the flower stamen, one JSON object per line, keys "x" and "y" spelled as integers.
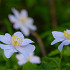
{"x": 67, "y": 34}
{"x": 28, "y": 59}
{"x": 16, "y": 41}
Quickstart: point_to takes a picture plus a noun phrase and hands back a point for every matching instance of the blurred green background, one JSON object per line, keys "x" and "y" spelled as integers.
{"x": 48, "y": 15}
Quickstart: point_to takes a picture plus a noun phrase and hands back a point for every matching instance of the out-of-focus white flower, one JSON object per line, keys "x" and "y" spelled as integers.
{"x": 16, "y": 43}
{"x": 22, "y": 21}
{"x": 60, "y": 36}
{"x": 33, "y": 59}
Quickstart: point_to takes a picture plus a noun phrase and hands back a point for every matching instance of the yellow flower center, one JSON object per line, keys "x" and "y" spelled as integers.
{"x": 16, "y": 41}
{"x": 28, "y": 59}
{"x": 66, "y": 34}
{"x": 23, "y": 19}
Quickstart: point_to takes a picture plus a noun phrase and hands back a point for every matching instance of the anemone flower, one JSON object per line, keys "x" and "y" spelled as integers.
{"x": 60, "y": 36}
{"x": 33, "y": 59}
{"x": 16, "y": 43}
{"x": 22, "y": 21}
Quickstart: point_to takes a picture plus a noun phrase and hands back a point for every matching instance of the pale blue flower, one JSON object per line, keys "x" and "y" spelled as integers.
{"x": 16, "y": 43}
{"x": 60, "y": 36}
{"x": 22, "y": 21}
{"x": 33, "y": 59}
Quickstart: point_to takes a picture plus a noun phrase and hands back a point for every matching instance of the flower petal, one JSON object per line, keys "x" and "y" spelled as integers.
{"x": 25, "y": 30}
{"x": 35, "y": 59}
{"x": 30, "y": 26}
{"x": 21, "y": 59}
{"x": 21, "y": 62}
{"x": 66, "y": 42}
{"x": 12, "y": 18}
{"x": 6, "y": 47}
{"x": 57, "y": 40}
{"x": 57, "y": 34}
{"x": 30, "y": 21}
{"x": 26, "y": 42}
{"x": 67, "y": 30}
{"x": 8, "y": 53}
{"x": 24, "y": 13}
{"x": 17, "y": 25}
{"x": 26, "y": 50}
{"x": 19, "y": 34}
{"x": 5, "y": 38}
{"x": 16, "y": 13}
{"x": 20, "y": 56}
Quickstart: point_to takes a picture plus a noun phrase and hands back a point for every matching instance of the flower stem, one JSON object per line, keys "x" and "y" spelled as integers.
{"x": 39, "y": 42}
{"x": 59, "y": 68}
{"x": 53, "y": 13}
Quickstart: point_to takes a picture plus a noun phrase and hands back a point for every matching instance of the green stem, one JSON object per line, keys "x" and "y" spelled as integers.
{"x": 59, "y": 68}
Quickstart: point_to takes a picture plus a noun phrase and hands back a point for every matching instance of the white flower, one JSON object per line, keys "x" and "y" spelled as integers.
{"x": 33, "y": 59}
{"x": 60, "y": 36}
{"x": 16, "y": 43}
{"x": 22, "y": 21}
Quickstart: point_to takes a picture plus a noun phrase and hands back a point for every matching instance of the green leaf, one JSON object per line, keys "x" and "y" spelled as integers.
{"x": 67, "y": 51}
{"x": 68, "y": 64}
{"x": 51, "y": 63}
{"x": 30, "y": 66}
{"x": 44, "y": 66}
{"x": 55, "y": 52}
